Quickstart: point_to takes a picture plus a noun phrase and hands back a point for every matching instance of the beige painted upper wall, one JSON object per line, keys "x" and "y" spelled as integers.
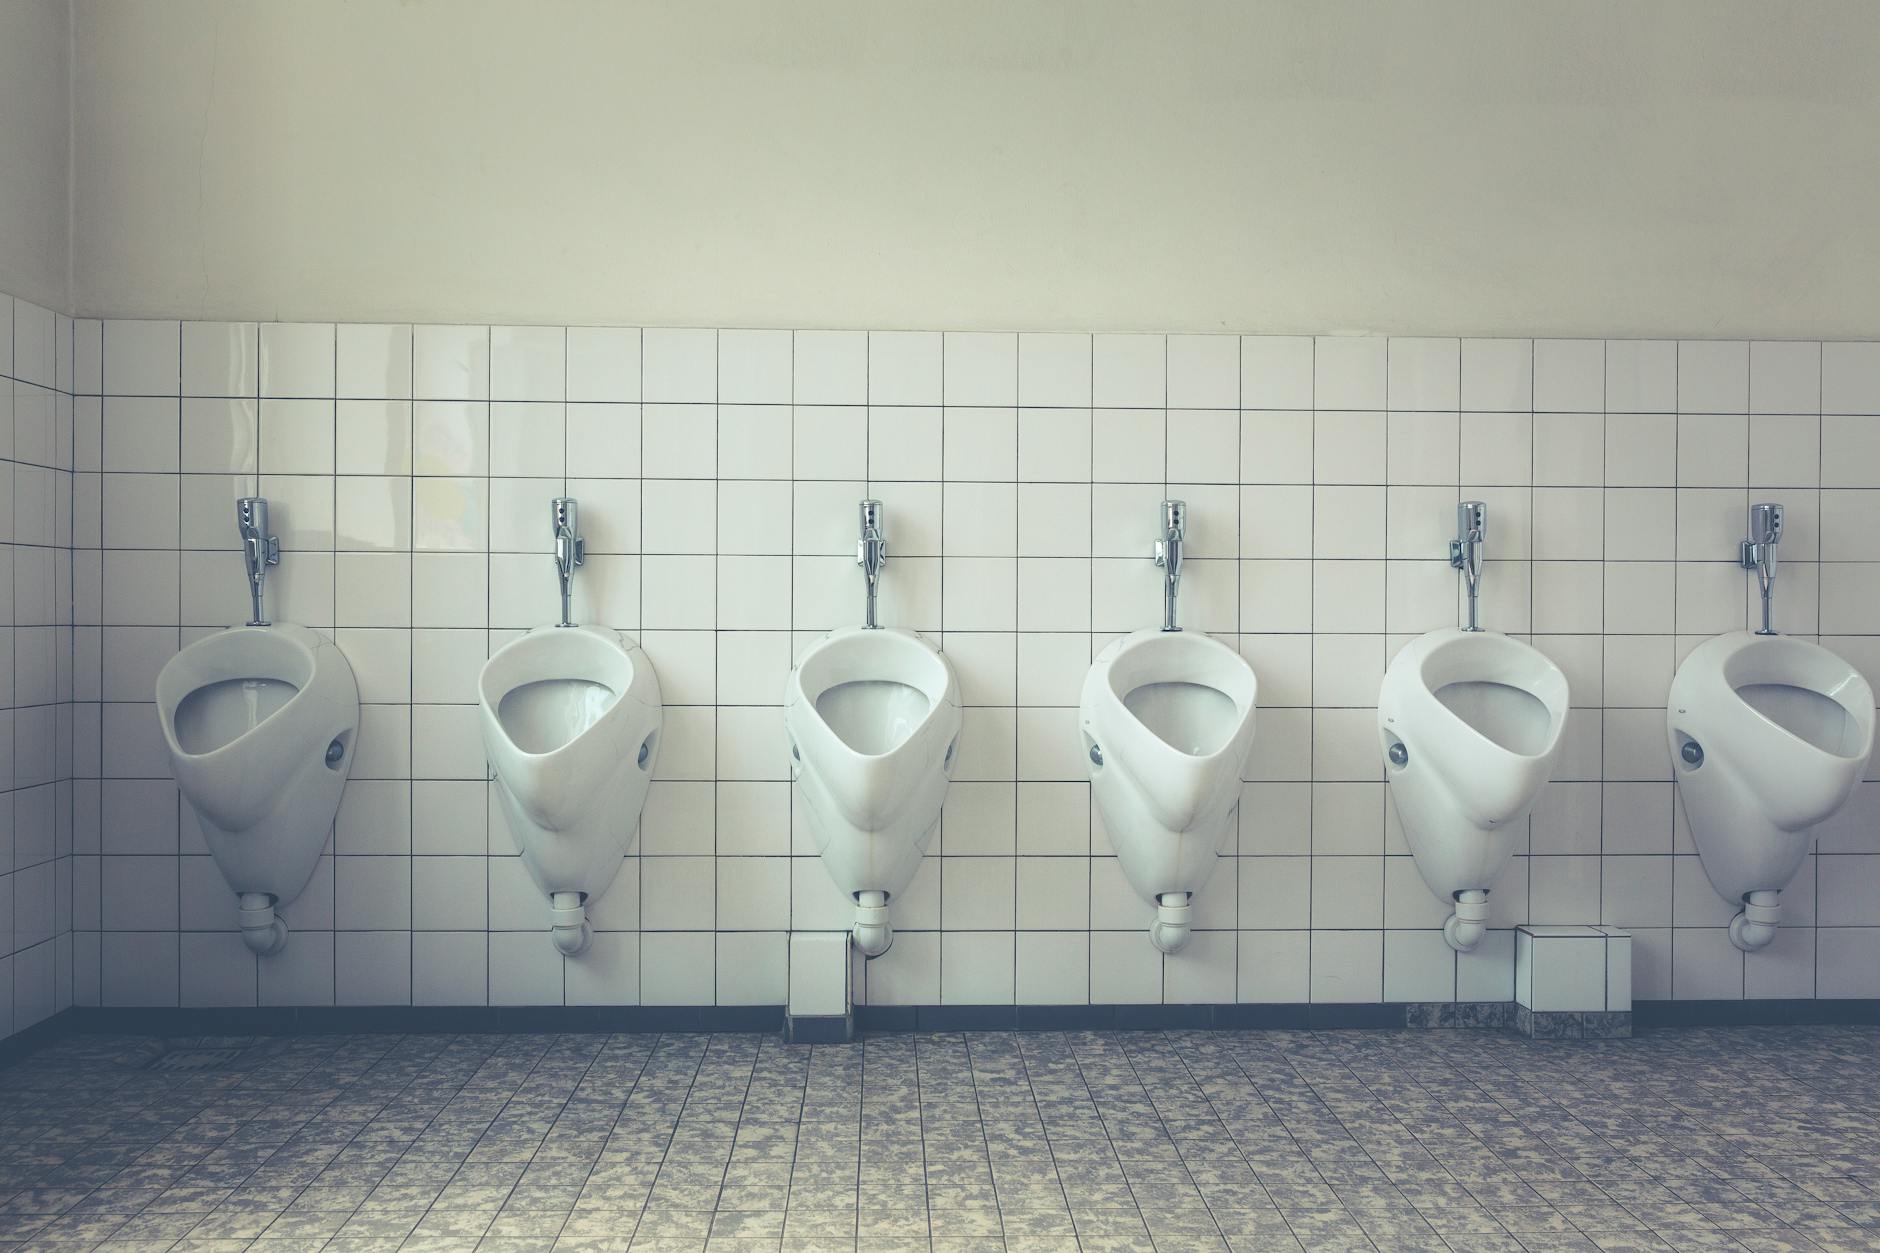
{"x": 35, "y": 139}
{"x": 1679, "y": 167}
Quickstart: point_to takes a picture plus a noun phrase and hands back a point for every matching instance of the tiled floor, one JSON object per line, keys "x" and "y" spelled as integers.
{"x": 1762, "y": 1139}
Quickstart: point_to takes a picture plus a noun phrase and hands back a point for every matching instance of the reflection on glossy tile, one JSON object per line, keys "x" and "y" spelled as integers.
{"x": 450, "y": 437}
{"x": 450, "y": 514}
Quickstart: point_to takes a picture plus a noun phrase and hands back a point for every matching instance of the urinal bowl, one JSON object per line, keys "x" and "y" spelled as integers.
{"x": 1470, "y": 724}
{"x": 880, "y": 851}
{"x": 1168, "y": 721}
{"x": 1741, "y": 850}
{"x": 1160, "y": 853}
{"x": 873, "y": 720}
{"x": 259, "y": 724}
{"x": 1769, "y": 735}
{"x": 571, "y": 720}
{"x": 1452, "y": 854}
{"x": 579, "y": 851}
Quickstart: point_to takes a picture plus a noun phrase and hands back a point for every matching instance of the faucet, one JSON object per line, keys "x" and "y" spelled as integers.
{"x": 570, "y": 548}
{"x": 259, "y": 549}
{"x": 871, "y": 553}
{"x": 1465, "y": 553}
{"x": 1758, "y": 553}
{"x": 1168, "y": 555}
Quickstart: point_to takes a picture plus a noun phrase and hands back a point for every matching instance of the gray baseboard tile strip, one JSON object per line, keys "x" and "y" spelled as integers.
{"x": 880, "y": 1018}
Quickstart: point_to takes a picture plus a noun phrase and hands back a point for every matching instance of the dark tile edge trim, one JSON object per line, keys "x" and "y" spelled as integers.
{"x": 418, "y": 1019}
{"x": 1125, "y": 1017}
{"x": 1810, "y": 1013}
{"x": 31, "y": 1039}
{"x": 818, "y": 1029}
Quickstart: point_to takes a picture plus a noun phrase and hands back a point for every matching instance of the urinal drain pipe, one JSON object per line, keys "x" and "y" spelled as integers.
{"x": 263, "y": 930}
{"x": 1466, "y": 926}
{"x": 568, "y": 924}
{"x": 1173, "y": 926}
{"x": 873, "y": 935}
{"x": 1755, "y": 927}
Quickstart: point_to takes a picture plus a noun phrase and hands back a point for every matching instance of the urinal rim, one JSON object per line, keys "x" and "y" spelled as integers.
{"x": 1421, "y": 696}
{"x": 603, "y": 637}
{"x": 1101, "y": 676}
{"x": 800, "y": 700}
{"x": 306, "y": 645}
{"x": 1151, "y": 640}
{"x": 1157, "y": 799}
{"x": 1731, "y": 645}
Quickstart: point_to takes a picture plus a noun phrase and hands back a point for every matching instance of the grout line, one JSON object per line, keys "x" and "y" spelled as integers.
{"x": 1677, "y": 431}
{"x": 639, "y": 845}
{"x": 1821, "y": 466}
{"x": 411, "y": 618}
{"x": 717, "y": 727}
{"x": 1311, "y": 792}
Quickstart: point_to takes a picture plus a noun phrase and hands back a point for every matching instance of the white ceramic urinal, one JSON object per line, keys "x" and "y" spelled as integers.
{"x": 259, "y": 722}
{"x": 873, "y": 718}
{"x": 571, "y": 717}
{"x": 1168, "y": 721}
{"x": 1769, "y": 735}
{"x": 1470, "y": 724}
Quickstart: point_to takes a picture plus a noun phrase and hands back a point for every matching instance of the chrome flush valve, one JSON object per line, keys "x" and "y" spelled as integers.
{"x": 570, "y": 548}
{"x": 260, "y": 549}
{"x": 1466, "y": 551}
{"x": 1168, "y": 556}
{"x": 871, "y": 554}
{"x": 1758, "y": 553}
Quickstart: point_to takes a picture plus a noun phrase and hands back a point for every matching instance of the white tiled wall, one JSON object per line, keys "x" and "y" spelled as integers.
{"x": 36, "y": 672}
{"x": 410, "y": 470}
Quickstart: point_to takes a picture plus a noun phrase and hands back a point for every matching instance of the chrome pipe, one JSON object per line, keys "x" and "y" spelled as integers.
{"x": 260, "y": 549}
{"x": 871, "y": 554}
{"x": 1168, "y": 556}
{"x": 570, "y": 549}
{"x": 1466, "y": 552}
{"x": 1758, "y": 553}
